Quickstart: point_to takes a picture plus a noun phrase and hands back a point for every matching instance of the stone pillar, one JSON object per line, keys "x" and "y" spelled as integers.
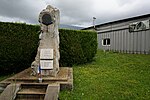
{"x": 49, "y": 39}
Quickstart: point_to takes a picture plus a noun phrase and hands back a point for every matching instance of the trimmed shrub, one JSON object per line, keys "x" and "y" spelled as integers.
{"x": 77, "y": 47}
{"x": 19, "y": 42}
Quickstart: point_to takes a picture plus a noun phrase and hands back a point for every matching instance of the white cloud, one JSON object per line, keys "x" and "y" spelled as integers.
{"x": 74, "y": 12}
{"x": 26, "y": 10}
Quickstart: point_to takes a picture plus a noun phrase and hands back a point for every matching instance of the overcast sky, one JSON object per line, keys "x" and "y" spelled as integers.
{"x": 73, "y": 12}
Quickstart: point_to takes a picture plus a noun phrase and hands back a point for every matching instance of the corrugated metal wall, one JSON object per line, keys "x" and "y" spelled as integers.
{"x": 121, "y": 40}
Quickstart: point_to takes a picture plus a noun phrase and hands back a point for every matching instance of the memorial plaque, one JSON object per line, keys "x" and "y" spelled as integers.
{"x": 46, "y": 19}
{"x": 46, "y": 54}
{"x": 46, "y": 64}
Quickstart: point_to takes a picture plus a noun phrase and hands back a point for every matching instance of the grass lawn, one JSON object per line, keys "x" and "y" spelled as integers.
{"x": 4, "y": 77}
{"x": 112, "y": 76}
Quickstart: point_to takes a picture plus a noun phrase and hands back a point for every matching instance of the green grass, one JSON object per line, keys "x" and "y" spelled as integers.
{"x": 112, "y": 76}
{"x": 4, "y": 77}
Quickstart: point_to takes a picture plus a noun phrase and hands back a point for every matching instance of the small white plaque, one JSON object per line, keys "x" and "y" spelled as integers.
{"x": 46, "y": 64}
{"x": 46, "y": 54}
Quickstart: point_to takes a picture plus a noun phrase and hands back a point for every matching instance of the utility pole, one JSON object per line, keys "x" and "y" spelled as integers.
{"x": 94, "y": 18}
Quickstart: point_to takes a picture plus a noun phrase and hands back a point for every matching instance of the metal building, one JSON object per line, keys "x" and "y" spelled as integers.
{"x": 130, "y": 35}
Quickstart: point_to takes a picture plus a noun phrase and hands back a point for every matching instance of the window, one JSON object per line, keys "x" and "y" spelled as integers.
{"x": 106, "y": 42}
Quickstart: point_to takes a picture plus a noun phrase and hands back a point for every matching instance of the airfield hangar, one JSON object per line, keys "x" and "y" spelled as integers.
{"x": 131, "y": 35}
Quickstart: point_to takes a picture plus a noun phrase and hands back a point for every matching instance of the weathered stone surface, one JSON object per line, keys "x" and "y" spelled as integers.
{"x": 49, "y": 21}
{"x": 10, "y": 92}
{"x": 52, "y": 92}
{"x": 64, "y": 78}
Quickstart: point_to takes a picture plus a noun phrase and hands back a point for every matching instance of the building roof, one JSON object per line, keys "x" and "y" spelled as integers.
{"x": 119, "y": 21}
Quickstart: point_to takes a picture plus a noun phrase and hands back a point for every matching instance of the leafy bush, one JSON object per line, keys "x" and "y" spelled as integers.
{"x": 19, "y": 42}
{"x": 77, "y": 47}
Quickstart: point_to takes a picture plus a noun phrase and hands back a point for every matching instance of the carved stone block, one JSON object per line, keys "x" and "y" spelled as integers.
{"x": 49, "y": 39}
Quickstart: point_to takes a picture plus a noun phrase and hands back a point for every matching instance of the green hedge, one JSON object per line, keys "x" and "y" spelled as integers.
{"x": 77, "y": 47}
{"x": 19, "y": 42}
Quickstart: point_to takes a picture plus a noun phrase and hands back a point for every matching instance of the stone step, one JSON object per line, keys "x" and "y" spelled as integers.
{"x": 32, "y": 92}
{"x": 2, "y": 87}
{"x": 64, "y": 78}
{"x": 23, "y": 86}
{"x": 34, "y": 85}
{"x": 30, "y": 97}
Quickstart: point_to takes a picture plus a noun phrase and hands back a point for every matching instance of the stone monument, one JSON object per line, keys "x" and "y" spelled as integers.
{"x": 47, "y": 58}
{"x": 23, "y": 86}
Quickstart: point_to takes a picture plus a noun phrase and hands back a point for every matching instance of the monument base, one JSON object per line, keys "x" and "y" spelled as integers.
{"x": 23, "y": 86}
{"x": 64, "y": 78}
{"x": 52, "y": 73}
